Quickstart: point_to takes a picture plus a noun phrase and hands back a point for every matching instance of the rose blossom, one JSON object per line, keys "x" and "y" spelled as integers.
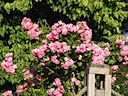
{"x": 57, "y": 82}
{"x": 55, "y": 60}
{"x": 8, "y": 65}
{"x": 57, "y": 93}
{"x": 77, "y": 82}
{"x": 126, "y": 75}
{"x": 50, "y": 91}
{"x": 7, "y": 93}
{"x": 68, "y": 63}
{"x": 61, "y": 89}
{"x": 42, "y": 63}
{"x": 33, "y": 29}
{"x": 21, "y": 88}
{"x": 114, "y": 68}
{"x": 113, "y": 80}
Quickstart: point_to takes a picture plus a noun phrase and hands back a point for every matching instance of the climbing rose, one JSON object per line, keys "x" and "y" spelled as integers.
{"x": 55, "y": 60}
{"x": 77, "y": 82}
{"x": 59, "y": 47}
{"x": 68, "y": 62}
{"x": 21, "y": 88}
{"x": 42, "y": 63}
{"x": 26, "y": 23}
{"x": 33, "y": 29}
{"x": 114, "y": 68}
{"x": 113, "y": 80}
{"x": 7, "y": 93}
{"x": 61, "y": 89}
{"x": 57, "y": 82}
{"x": 126, "y": 75}
{"x": 50, "y": 91}
{"x": 8, "y": 65}
{"x": 57, "y": 93}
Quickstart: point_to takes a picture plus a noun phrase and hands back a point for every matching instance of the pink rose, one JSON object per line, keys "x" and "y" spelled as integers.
{"x": 57, "y": 82}
{"x": 57, "y": 93}
{"x": 50, "y": 91}
{"x": 68, "y": 63}
{"x": 42, "y": 63}
{"x": 126, "y": 75}
{"x": 113, "y": 80}
{"x": 9, "y": 55}
{"x": 7, "y": 93}
{"x": 77, "y": 82}
{"x": 55, "y": 60}
{"x": 114, "y": 68}
{"x": 61, "y": 89}
{"x": 8, "y": 65}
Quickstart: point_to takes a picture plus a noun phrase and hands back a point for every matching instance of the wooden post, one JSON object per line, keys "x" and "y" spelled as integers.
{"x": 107, "y": 85}
{"x": 91, "y": 85}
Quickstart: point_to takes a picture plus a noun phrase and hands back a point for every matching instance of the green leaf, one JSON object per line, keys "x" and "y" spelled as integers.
{"x": 7, "y": 7}
{"x": 74, "y": 67}
{"x": 80, "y": 64}
{"x": 85, "y": 3}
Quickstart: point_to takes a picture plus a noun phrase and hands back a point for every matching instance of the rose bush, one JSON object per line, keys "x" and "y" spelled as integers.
{"x": 32, "y": 59}
{"x": 58, "y": 63}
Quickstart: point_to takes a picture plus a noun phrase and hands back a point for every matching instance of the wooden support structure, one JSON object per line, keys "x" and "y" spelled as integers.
{"x": 105, "y": 81}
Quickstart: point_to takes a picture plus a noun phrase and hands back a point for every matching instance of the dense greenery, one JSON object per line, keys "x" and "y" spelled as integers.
{"x": 104, "y": 17}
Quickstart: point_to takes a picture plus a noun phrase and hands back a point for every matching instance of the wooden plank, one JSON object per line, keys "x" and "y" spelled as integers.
{"x": 93, "y": 70}
{"x": 107, "y": 85}
{"x": 91, "y": 85}
{"x": 100, "y": 92}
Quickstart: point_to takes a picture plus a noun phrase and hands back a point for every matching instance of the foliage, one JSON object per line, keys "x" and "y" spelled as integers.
{"x": 103, "y": 17}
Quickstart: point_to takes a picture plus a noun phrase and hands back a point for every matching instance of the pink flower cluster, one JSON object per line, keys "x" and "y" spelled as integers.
{"x": 68, "y": 62}
{"x": 58, "y": 28}
{"x": 21, "y": 88}
{"x": 83, "y": 48}
{"x": 124, "y": 50}
{"x": 121, "y": 43}
{"x": 99, "y": 54}
{"x": 74, "y": 80}
{"x": 8, "y": 65}
{"x": 114, "y": 68}
{"x": 59, "y": 47}
{"x": 40, "y": 52}
{"x": 59, "y": 91}
{"x": 81, "y": 28}
{"x": 113, "y": 80}
{"x": 33, "y": 29}
{"x": 55, "y": 60}
{"x": 84, "y": 31}
{"x": 7, "y": 93}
